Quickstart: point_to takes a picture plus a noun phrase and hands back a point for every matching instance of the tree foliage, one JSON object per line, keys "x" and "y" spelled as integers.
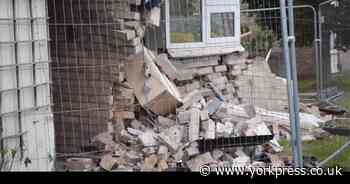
{"x": 337, "y": 19}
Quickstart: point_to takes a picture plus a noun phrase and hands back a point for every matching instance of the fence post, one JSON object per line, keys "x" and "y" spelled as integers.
{"x": 290, "y": 59}
{"x": 322, "y": 97}
{"x": 294, "y": 72}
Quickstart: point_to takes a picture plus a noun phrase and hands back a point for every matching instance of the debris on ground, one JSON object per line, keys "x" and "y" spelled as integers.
{"x": 205, "y": 120}
{"x": 171, "y": 141}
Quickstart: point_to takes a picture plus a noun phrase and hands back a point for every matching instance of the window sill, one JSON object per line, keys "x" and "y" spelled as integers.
{"x": 203, "y": 51}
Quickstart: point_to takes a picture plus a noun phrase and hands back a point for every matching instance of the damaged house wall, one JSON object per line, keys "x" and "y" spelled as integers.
{"x": 89, "y": 59}
{"x": 167, "y": 110}
{"x": 163, "y": 105}
{"x": 84, "y": 52}
{"x": 122, "y": 103}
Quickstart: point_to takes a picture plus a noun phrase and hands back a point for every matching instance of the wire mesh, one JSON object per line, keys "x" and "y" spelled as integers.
{"x": 85, "y": 56}
{"x": 88, "y": 60}
{"x": 334, "y": 48}
{"x": 334, "y": 32}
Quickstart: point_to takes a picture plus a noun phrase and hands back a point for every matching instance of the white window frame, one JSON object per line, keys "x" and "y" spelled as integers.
{"x": 208, "y": 7}
{"x": 222, "y": 9}
{"x": 188, "y": 44}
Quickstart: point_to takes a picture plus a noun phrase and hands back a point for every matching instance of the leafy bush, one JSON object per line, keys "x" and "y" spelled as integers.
{"x": 7, "y": 157}
{"x": 260, "y": 41}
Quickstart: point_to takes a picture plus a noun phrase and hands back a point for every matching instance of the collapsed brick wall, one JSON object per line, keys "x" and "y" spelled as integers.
{"x": 148, "y": 142}
{"x": 233, "y": 75}
{"x": 240, "y": 80}
{"x": 90, "y": 46}
{"x": 129, "y": 37}
{"x": 142, "y": 140}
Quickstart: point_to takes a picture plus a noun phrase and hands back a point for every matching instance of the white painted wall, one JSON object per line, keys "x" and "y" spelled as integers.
{"x": 36, "y": 124}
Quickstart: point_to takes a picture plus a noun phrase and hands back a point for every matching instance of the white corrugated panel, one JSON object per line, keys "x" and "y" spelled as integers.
{"x": 34, "y": 122}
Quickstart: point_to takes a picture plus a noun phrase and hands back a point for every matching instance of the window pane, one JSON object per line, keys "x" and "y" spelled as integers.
{"x": 185, "y": 21}
{"x": 222, "y": 25}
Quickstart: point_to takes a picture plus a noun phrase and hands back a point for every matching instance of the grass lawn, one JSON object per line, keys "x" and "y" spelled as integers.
{"x": 323, "y": 148}
{"x": 306, "y": 86}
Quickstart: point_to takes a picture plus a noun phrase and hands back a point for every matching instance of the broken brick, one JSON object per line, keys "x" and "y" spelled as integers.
{"x": 194, "y": 125}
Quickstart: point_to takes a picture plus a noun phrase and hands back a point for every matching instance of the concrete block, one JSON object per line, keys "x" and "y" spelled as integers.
{"x": 137, "y": 26}
{"x": 166, "y": 66}
{"x": 124, "y": 115}
{"x": 163, "y": 152}
{"x": 219, "y": 80}
{"x": 190, "y": 99}
{"x": 194, "y": 125}
{"x": 204, "y": 115}
{"x": 193, "y": 86}
{"x": 230, "y": 110}
{"x": 196, "y": 105}
{"x": 197, "y": 62}
{"x": 235, "y": 58}
{"x": 210, "y": 130}
{"x": 172, "y": 138}
{"x": 148, "y": 138}
{"x": 165, "y": 123}
{"x": 220, "y": 68}
{"x": 126, "y": 34}
{"x": 161, "y": 95}
{"x": 213, "y": 76}
{"x": 135, "y": 42}
{"x": 153, "y": 16}
{"x": 236, "y": 73}
{"x": 184, "y": 75}
{"x": 184, "y": 117}
{"x": 204, "y": 71}
{"x": 132, "y": 50}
